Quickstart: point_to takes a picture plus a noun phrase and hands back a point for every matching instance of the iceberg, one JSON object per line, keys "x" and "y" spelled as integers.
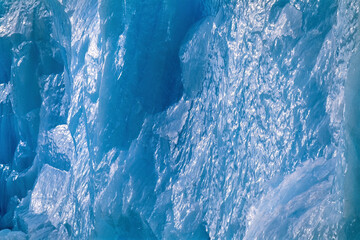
{"x": 179, "y": 119}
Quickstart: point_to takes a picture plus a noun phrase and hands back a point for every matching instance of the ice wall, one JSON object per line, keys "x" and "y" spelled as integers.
{"x": 168, "y": 119}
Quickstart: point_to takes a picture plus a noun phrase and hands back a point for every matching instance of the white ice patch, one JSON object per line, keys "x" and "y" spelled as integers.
{"x": 175, "y": 120}
{"x": 303, "y": 195}
{"x": 50, "y": 189}
{"x": 5, "y": 90}
{"x": 61, "y": 141}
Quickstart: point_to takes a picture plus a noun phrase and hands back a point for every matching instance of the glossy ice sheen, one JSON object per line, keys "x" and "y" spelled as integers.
{"x": 169, "y": 119}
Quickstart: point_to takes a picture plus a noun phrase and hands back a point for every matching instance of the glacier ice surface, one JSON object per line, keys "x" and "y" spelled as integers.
{"x": 169, "y": 119}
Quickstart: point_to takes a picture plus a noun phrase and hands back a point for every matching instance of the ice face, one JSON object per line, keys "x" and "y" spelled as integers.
{"x": 169, "y": 119}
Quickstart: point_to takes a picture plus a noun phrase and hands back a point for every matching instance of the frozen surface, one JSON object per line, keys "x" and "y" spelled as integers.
{"x": 169, "y": 119}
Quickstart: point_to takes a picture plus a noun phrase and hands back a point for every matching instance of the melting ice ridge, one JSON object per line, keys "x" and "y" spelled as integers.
{"x": 169, "y": 119}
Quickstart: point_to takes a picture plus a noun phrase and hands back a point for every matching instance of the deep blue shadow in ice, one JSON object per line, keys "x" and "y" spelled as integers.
{"x": 149, "y": 75}
{"x": 8, "y": 136}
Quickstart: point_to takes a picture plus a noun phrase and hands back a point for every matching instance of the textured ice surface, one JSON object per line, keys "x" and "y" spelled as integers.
{"x": 169, "y": 119}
